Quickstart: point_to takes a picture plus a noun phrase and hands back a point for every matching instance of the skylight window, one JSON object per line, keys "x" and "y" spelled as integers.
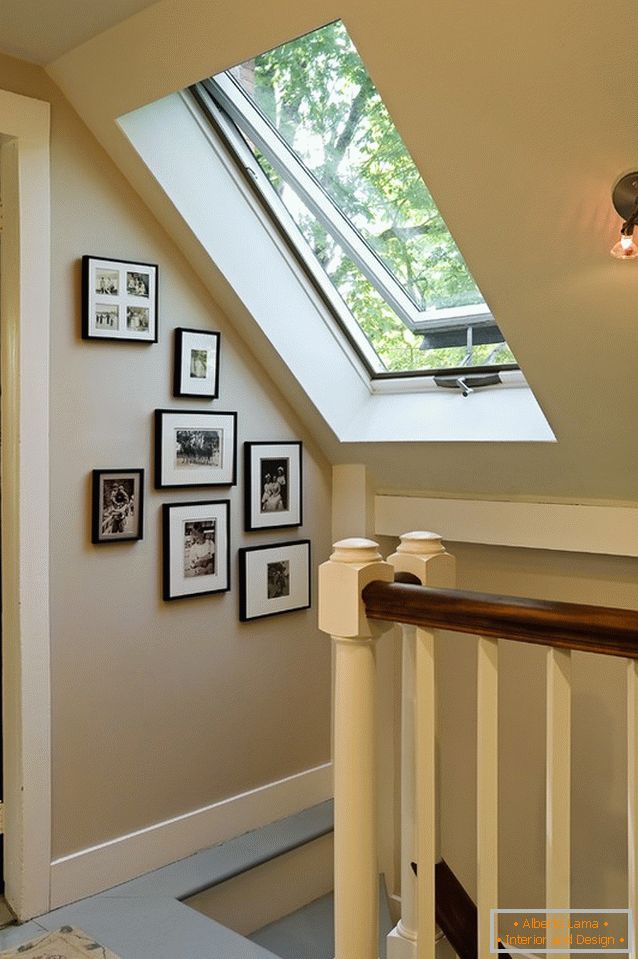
{"x": 306, "y": 120}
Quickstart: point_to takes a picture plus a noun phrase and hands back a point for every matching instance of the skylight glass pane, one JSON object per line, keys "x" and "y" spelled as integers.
{"x": 398, "y": 348}
{"x": 316, "y": 125}
{"x": 317, "y": 94}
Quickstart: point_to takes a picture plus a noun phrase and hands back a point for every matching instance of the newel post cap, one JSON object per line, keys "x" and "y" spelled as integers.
{"x": 353, "y": 564}
{"x": 423, "y": 554}
{"x": 422, "y": 542}
{"x": 356, "y": 550}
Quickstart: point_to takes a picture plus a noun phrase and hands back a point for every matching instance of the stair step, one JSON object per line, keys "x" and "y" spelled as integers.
{"x": 308, "y": 933}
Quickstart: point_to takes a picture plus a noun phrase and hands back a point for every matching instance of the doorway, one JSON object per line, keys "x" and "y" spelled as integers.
{"x": 24, "y": 505}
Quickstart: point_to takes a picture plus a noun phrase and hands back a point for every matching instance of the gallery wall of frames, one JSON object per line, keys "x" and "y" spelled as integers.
{"x": 197, "y": 448}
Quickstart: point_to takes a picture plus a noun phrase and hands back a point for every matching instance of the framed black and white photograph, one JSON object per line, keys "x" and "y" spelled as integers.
{"x": 196, "y": 363}
{"x": 119, "y": 300}
{"x": 196, "y": 548}
{"x": 273, "y": 493}
{"x": 194, "y": 448}
{"x": 274, "y": 579}
{"x": 118, "y": 505}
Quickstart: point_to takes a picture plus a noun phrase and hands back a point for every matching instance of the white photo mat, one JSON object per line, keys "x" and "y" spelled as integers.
{"x": 120, "y": 300}
{"x": 196, "y": 363}
{"x": 178, "y": 519}
{"x": 254, "y": 563}
{"x": 256, "y": 516}
{"x": 209, "y": 460}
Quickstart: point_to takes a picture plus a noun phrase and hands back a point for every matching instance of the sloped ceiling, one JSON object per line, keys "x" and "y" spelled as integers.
{"x": 520, "y": 117}
{"x": 42, "y": 30}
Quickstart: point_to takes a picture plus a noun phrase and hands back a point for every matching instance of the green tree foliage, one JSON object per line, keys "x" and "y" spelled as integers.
{"x": 317, "y": 93}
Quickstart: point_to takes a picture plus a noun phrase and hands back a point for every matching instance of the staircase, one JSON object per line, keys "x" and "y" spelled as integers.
{"x": 308, "y": 933}
{"x": 362, "y": 596}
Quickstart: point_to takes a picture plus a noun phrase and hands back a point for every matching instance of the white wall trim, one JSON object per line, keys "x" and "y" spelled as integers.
{"x": 24, "y": 334}
{"x": 97, "y": 868}
{"x": 610, "y": 530}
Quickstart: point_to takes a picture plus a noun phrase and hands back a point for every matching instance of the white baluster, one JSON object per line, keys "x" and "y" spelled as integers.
{"x": 354, "y": 564}
{"x": 426, "y": 819}
{"x": 632, "y": 797}
{"x": 423, "y": 555}
{"x": 487, "y": 789}
{"x": 558, "y": 784}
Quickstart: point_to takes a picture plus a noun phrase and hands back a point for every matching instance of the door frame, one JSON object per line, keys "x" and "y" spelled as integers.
{"x": 24, "y": 460}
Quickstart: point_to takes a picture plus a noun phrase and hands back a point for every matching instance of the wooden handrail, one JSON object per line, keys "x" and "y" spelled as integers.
{"x": 593, "y": 629}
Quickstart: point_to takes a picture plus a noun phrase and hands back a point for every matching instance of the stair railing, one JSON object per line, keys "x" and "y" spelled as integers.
{"x": 358, "y": 600}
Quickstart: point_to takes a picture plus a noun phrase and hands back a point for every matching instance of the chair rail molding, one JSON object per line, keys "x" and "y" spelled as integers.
{"x": 578, "y": 528}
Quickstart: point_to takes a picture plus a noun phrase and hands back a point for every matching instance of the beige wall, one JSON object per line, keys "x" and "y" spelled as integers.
{"x": 158, "y": 708}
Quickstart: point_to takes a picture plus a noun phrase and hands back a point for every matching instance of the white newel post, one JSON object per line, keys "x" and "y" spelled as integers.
{"x": 423, "y": 555}
{"x": 353, "y": 564}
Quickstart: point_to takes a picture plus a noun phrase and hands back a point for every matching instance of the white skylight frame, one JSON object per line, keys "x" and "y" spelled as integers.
{"x": 291, "y": 230}
{"x": 206, "y": 201}
{"x": 248, "y": 118}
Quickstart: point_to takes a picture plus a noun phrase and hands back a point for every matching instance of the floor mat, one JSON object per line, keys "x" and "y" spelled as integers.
{"x": 65, "y": 943}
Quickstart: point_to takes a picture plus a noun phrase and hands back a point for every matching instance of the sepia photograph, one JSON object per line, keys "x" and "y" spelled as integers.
{"x": 199, "y": 364}
{"x": 273, "y": 491}
{"x": 137, "y": 284}
{"x": 131, "y": 312}
{"x": 107, "y": 316}
{"x": 117, "y": 513}
{"x": 137, "y": 318}
{"x": 107, "y": 282}
{"x": 274, "y": 579}
{"x": 278, "y": 579}
{"x": 274, "y": 485}
{"x": 196, "y": 550}
{"x": 195, "y": 448}
{"x": 199, "y": 548}
{"x": 196, "y": 369}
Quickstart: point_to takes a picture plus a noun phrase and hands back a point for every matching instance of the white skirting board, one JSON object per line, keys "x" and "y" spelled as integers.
{"x": 89, "y": 871}
{"x": 611, "y": 530}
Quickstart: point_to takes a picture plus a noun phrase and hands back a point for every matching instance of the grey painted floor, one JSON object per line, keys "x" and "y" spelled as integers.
{"x": 308, "y": 933}
{"x": 145, "y": 919}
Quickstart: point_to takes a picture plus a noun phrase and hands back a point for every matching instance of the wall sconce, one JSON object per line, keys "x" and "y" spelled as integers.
{"x": 625, "y": 199}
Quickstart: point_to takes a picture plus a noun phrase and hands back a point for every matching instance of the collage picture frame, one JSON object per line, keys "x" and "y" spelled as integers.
{"x": 119, "y": 300}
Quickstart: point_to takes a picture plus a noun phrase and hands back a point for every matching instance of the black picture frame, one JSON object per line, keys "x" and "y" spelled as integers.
{"x": 117, "y": 516}
{"x": 120, "y": 300}
{"x": 274, "y": 579}
{"x": 264, "y": 462}
{"x": 178, "y": 465}
{"x": 185, "y": 527}
{"x": 196, "y": 365}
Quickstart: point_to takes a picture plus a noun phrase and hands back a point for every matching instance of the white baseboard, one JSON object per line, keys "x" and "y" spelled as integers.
{"x": 93, "y": 870}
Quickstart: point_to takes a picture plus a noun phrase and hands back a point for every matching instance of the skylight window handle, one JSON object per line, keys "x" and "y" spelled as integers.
{"x": 461, "y": 383}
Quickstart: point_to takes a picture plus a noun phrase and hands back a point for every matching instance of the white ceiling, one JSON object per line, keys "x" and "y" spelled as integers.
{"x": 42, "y": 30}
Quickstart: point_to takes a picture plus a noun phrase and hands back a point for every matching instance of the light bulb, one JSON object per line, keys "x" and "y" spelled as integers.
{"x": 625, "y": 249}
